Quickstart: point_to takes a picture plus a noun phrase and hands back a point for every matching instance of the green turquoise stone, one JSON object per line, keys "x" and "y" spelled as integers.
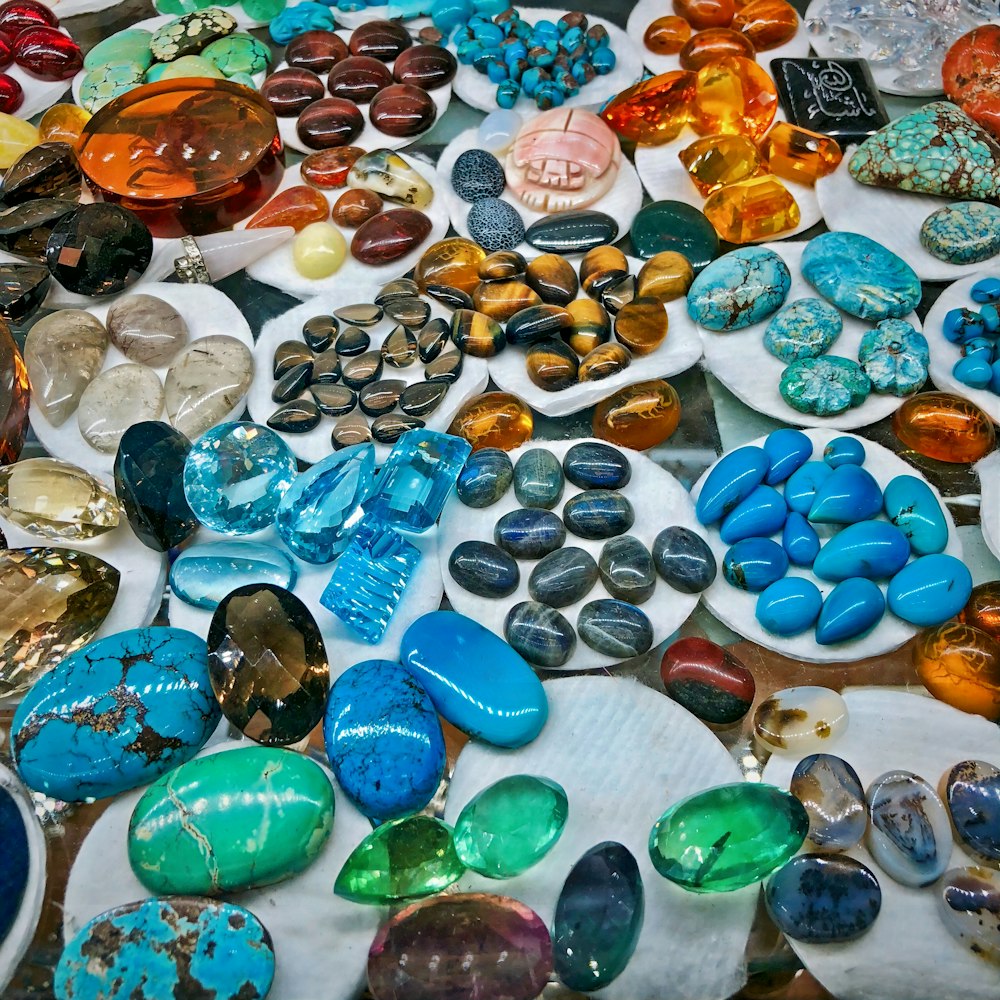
{"x": 511, "y": 825}
{"x": 237, "y": 54}
{"x": 825, "y": 386}
{"x": 190, "y": 33}
{"x": 231, "y": 821}
{"x": 403, "y": 859}
{"x": 129, "y": 46}
{"x": 184, "y": 6}
{"x": 727, "y": 837}
{"x": 674, "y": 225}
{"x": 244, "y": 79}
{"x": 264, "y": 10}
{"x": 967, "y": 232}
{"x": 107, "y": 82}
{"x": 189, "y": 66}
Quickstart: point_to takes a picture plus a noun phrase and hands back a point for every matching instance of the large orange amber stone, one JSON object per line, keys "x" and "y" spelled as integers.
{"x": 733, "y": 96}
{"x": 960, "y": 665}
{"x": 717, "y": 160}
{"x": 798, "y": 154}
{"x": 945, "y": 427}
{"x": 971, "y": 75}
{"x": 653, "y": 111}
{"x": 714, "y": 44}
{"x": 752, "y": 210}
{"x": 983, "y": 609}
{"x": 494, "y": 420}
{"x": 638, "y": 416}
{"x": 705, "y": 13}
{"x": 666, "y": 35}
{"x": 767, "y": 23}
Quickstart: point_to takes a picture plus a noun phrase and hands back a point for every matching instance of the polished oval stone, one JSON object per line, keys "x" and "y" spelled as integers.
{"x": 847, "y": 495}
{"x": 192, "y": 947}
{"x": 684, "y": 559}
{"x": 930, "y": 590}
{"x": 803, "y": 485}
{"x": 966, "y": 232}
{"x": 850, "y": 610}
{"x": 203, "y": 574}
{"x": 799, "y": 540}
{"x": 104, "y": 721}
{"x": 604, "y": 361}
{"x": 354, "y": 207}
{"x": 727, "y": 837}
{"x": 754, "y": 564}
{"x": 763, "y": 513}
{"x": 426, "y": 66}
{"x": 800, "y": 720}
{"x": 787, "y": 450}
{"x": 540, "y": 634}
{"x": 538, "y": 479}
{"x": 563, "y": 577}
{"x": 593, "y": 466}
{"x": 529, "y": 533}
{"x": 614, "y": 628}
{"x": 329, "y": 122}
{"x": 846, "y": 450}
{"x": 474, "y": 333}
{"x": 968, "y": 901}
{"x": 553, "y": 278}
{"x": 146, "y": 329}
{"x": 739, "y": 289}
{"x": 912, "y": 506}
{"x": 596, "y": 514}
{"x": 385, "y": 40}
{"x": 909, "y": 835}
{"x": 388, "y": 236}
{"x": 537, "y": 323}
{"x": 316, "y": 50}
{"x": 502, "y": 300}
{"x": 572, "y": 232}
{"x": 402, "y": 110}
{"x": 971, "y": 790}
{"x": 116, "y": 398}
{"x": 834, "y": 798}
{"x": 707, "y": 680}
{"x": 627, "y": 570}
{"x": 377, "y": 398}
{"x": 591, "y": 326}
{"x": 732, "y": 479}
{"x": 674, "y": 226}
{"x": 484, "y": 569}
{"x": 476, "y": 681}
{"x": 872, "y": 549}
{"x": 290, "y": 91}
{"x": 983, "y": 608}
{"x": 941, "y": 426}
{"x": 805, "y": 328}
{"x": 495, "y": 224}
{"x": 408, "y": 757}
{"x": 552, "y": 365}
{"x": 960, "y": 665}
{"x": 358, "y": 79}
{"x": 789, "y": 606}
{"x": 487, "y": 476}
{"x": 492, "y": 419}
{"x": 601, "y": 268}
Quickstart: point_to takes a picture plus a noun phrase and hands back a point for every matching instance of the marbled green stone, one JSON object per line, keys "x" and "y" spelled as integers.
{"x": 109, "y": 81}
{"x": 674, "y": 225}
{"x": 238, "y": 54}
{"x": 264, "y": 10}
{"x": 825, "y": 386}
{"x": 129, "y": 46}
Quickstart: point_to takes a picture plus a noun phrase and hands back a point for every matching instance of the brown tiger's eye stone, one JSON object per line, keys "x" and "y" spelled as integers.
{"x": 553, "y": 277}
{"x": 591, "y": 326}
{"x": 502, "y": 299}
{"x": 638, "y": 416}
{"x": 641, "y": 325}
{"x": 296, "y": 206}
{"x": 327, "y": 169}
{"x": 358, "y": 79}
{"x": 767, "y": 23}
{"x": 402, "y": 110}
{"x": 384, "y": 40}
{"x": 714, "y": 44}
{"x": 425, "y": 66}
{"x": 604, "y": 361}
{"x": 494, "y": 420}
{"x": 551, "y": 365}
{"x": 601, "y": 268}
{"x": 666, "y": 35}
{"x": 329, "y": 122}
{"x": 316, "y": 50}
{"x": 502, "y": 265}
{"x": 390, "y": 235}
{"x": 476, "y": 334}
{"x": 290, "y": 91}
{"x": 983, "y": 609}
{"x": 665, "y": 276}
{"x": 355, "y": 207}
{"x": 453, "y": 262}
{"x": 701, "y": 14}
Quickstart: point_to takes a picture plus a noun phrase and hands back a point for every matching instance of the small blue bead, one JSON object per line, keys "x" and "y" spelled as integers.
{"x": 489, "y": 33}
{"x": 497, "y": 72}
{"x": 973, "y": 371}
{"x": 549, "y": 96}
{"x": 979, "y": 345}
{"x": 484, "y": 59}
{"x": 986, "y": 290}
{"x": 960, "y": 325}
{"x": 799, "y": 540}
{"x": 844, "y": 451}
{"x": 463, "y": 34}
{"x": 582, "y": 71}
{"x": 467, "y": 51}
{"x": 514, "y": 51}
{"x": 604, "y": 60}
{"x": 572, "y": 39}
{"x": 531, "y": 80}
{"x": 520, "y": 29}
{"x": 544, "y": 27}
{"x": 991, "y": 318}
{"x": 995, "y": 380}
{"x": 507, "y": 94}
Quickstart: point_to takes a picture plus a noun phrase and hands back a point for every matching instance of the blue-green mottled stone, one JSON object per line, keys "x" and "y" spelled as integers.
{"x": 894, "y": 357}
{"x": 805, "y": 328}
{"x": 237, "y": 53}
{"x": 824, "y": 386}
{"x": 109, "y": 81}
{"x": 542, "y": 635}
{"x": 964, "y": 233}
{"x": 128, "y": 46}
{"x": 739, "y": 289}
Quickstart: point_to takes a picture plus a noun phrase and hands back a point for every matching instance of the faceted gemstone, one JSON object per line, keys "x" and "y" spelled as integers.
{"x": 707, "y": 680}
{"x": 727, "y": 837}
{"x": 638, "y": 416}
{"x": 189, "y": 34}
{"x": 529, "y": 533}
{"x": 851, "y": 609}
{"x": 389, "y": 175}
{"x": 425, "y": 66}
{"x": 675, "y": 226}
{"x": 983, "y": 608}
{"x": 572, "y": 232}
{"x": 14, "y": 395}
{"x": 752, "y": 210}
{"x": 800, "y": 720}
{"x": 627, "y": 570}
{"x": 54, "y": 602}
{"x": 719, "y": 160}
{"x": 701, "y": 14}
{"x": 963, "y": 233}
{"x": 971, "y": 790}
{"x": 390, "y": 235}
{"x": 494, "y": 420}
{"x": 329, "y": 122}
{"x": 116, "y": 398}
{"x": 805, "y": 328}
{"x": 318, "y": 51}
{"x": 355, "y": 207}
{"x": 894, "y": 357}
{"x": 104, "y": 720}
{"x": 485, "y": 479}
{"x": 767, "y": 23}
{"x": 402, "y": 110}
{"x": 960, "y": 665}
{"x": 501, "y": 300}
{"x": 834, "y": 798}
{"x": 598, "y": 514}
{"x": 49, "y": 170}
{"x": 26, "y": 228}
{"x": 753, "y": 564}
{"x": 733, "y": 96}
{"x": 641, "y": 325}
{"x": 146, "y": 329}
{"x": 483, "y": 569}
{"x": 930, "y": 589}
{"x": 327, "y": 169}
{"x": 47, "y": 53}
{"x": 940, "y": 426}
{"x": 968, "y": 903}
{"x": 63, "y": 122}
{"x": 563, "y": 577}
{"x": 538, "y": 479}
{"x": 825, "y": 386}
{"x": 204, "y": 574}
{"x": 614, "y": 628}
{"x": 666, "y": 35}
{"x": 739, "y": 289}
{"x": 296, "y": 207}
{"x": 290, "y": 91}
{"x": 796, "y": 154}
{"x": 217, "y": 949}
{"x": 540, "y": 634}
{"x": 23, "y": 288}
{"x": 231, "y": 821}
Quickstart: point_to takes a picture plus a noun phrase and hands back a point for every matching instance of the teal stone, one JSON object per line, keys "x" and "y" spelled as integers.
{"x": 803, "y": 485}
{"x": 263, "y": 10}
{"x": 805, "y": 328}
{"x": 597, "y": 514}
{"x": 787, "y": 450}
{"x": 799, "y": 540}
{"x": 237, "y": 53}
{"x": 824, "y": 386}
{"x": 974, "y": 370}
{"x": 186, "y": 946}
{"x": 930, "y": 590}
{"x": 128, "y": 46}
{"x": 851, "y": 609}
{"x": 614, "y": 628}
{"x": 155, "y": 72}
{"x": 594, "y": 466}
{"x": 860, "y": 276}
{"x": 739, "y": 289}
{"x": 732, "y": 479}
{"x": 894, "y": 357}
{"x": 105, "y": 83}
{"x": 321, "y": 509}
{"x": 761, "y": 513}
{"x": 529, "y": 533}
{"x": 848, "y": 494}
{"x": 844, "y": 450}
{"x": 542, "y": 635}
{"x": 967, "y": 232}
{"x": 789, "y": 606}
{"x": 244, "y": 80}
{"x": 538, "y": 479}
{"x": 115, "y": 715}
{"x": 483, "y": 569}
{"x": 677, "y": 226}
{"x": 563, "y": 577}
{"x": 912, "y": 506}
{"x": 875, "y": 550}
{"x": 486, "y": 477}
{"x": 753, "y": 564}
{"x": 204, "y": 574}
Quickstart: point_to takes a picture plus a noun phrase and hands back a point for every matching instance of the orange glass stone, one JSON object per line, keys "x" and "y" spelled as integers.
{"x": 494, "y": 420}
{"x": 714, "y": 44}
{"x": 800, "y": 155}
{"x": 666, "y": 35}
{"x": 653, "y": 111}
{"x": 945, "y": 427}
{"x": 733, "y": 96}
{"x": 767, "y": 23}
{"x": 717, "y": 160}
{"x": 752, "y": 210}
{"x": 705, "y": 13}
{"x": 63, "y": 123}
{"x": 638, "y": 416}
{"x": 983, "y": 609}
{"x": 14, "y": 394}
{"x": 960, "y": 665}
{"x": 453, "y": 262}
{"x": 295, "y": 206}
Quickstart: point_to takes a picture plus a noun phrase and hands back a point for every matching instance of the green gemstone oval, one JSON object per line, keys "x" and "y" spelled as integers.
{"x": 727, "y": 837}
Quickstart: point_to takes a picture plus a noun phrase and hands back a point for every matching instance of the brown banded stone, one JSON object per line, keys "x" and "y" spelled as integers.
{"x": 591, "y": 326}
{"x": 318, "y": 51}
{"x": 329, "y": 122}
{"x": 553, "y": 277}
{"x": 290, "y": 91}
{"x": 552, "y": 365}
{"x": 502, "y": 299}
{"x": 358, "y": 79}
{"x": 426, "y": 66}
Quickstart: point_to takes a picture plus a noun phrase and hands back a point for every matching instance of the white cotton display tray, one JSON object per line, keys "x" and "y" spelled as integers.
{"x": 206, "y": 311}
{"x": 659, "y": 501}
{"x": 15, "y": 945}
{"x": 676, "y": 354}
{"x": 39, "y": 95}
{"x": 315, "y": 444}
{"x": 477, "y": 91}
{"x": 624, "y": 754}
{"x": 622, "y": 202}
{"x": 736, "y": 608}
{"x": 354, "y": 282}
{"x": 907, "y": 953}
{"x": 989, "y": 511}
{"x": 740, "y": 361}
{"x": 944, "y": 354}
{"x": 320, "y": 940}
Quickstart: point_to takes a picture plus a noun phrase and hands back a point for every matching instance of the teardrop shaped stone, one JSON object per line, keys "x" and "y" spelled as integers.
{"x": 540, "y": 634}
{"x": 360, "y": 314}
{"x": 968, "y": 902}
{"x": 203, "y": 574}
{"x": 872, "y": 549}
{"x": 420, "y": 399}
{"x": 48, "y": 170}
{"x": 789, "y": 606}
{"x": 114, "y": 400}
{"x": 289, "y": 354}
{"x": 390, "y": 427}
{"x": 538, "y": 323}
{"x": 732, "y": 479}
{"x": 333, "y": 400}
{"x": 598, "y": 514}
{"x": 787, "y": 449}
{"x": 358, "y": 372}
{"x": 411, "y": 312}
{"x": 912, "y": 506}
{"x": 432, "y": 339}
{"x": 380, "y": 397}
{"x": 319, "y": 332}
{"x": 399, "y": 349}
{"x": 847, "y": 495}
{"x": 327, "y": 368}
{"x": 453, "y": 298}
{"x": 292, "y": 382}
{"x": 529, "y": 533}
{"x": 400, "y": 288}
{"x": 538, "y": 479}
{"x": 349, "y": 430}
{"x": 351, "y": 342}
{"x": 849, "y": 610}
{"x": 297, "y": 416}
{"x": 447, "y": 367}
{"x": 26, "y": 228}
{"x": 930, "y": 589}
{"x": 762, "y": 513}
{"x": 834, "y": 799}
{"x": 627, "y": 569}
{"x": 146, "y": 329}
{"x": 972, "y": 794}
{"x": 388, "y": 236}
{"x": 563, "y": 577}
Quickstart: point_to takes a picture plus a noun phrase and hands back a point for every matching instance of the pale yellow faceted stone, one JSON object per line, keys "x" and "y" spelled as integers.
{"x": 319, "y": 250}
{"x": 16, "y": 137}
{"x": 114, "y": 401}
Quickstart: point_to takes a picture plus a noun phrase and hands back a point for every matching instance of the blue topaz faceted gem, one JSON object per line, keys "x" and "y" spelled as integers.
{"x": 972, "y": 794}
{"x": 754, "y": 564}
{"x": 930, "y": 590}
{"x": 115, "y": 715}
{"x": 15, "y": 865}
{"x": 787, "y": 450}
{"x": 529, "y": 532}
{"x": 485, "y": 479}
{"x": 598, "y": 918}
{"x": 235, "y": 476}
{"x": 851, "y": 609}
{"x": 803, "y": 485}
{"x": 844, "y": 450}
{"x": 542, "y": 635}
{"x": 732, "y": 479}
{"x": 594, "y": 466}
{"x": 789, "y": 606}
{"x": 204, "y": 574}
{"x": 872, "y": 549}
{"x": 320, "y": 510}
{"x": 484, "y": 569}
{"x": 739, "y": 289}
{"x": 761, "y": 513}
{"x": 912, "y": 506}
{"x": 849, "y": 494}
{"x": 834, "y": 800}
{"x": 799, "y": 540}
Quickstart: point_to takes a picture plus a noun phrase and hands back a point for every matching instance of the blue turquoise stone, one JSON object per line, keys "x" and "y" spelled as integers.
{"x": 973, "y": 371}
{"x": 483, "y": 569}
{"x": 485, "y": 479}
{"x": 235, "y": 476}
{"x": 594, "y": 466}
{"x": 985, "y": 290}
{"x": 614, "y": 628}
{"x": 204, "y": 574}
{"x": 115, "y": 715}
{"x": 563, "y": 577}
{"x": 894, "y": 357}
{"x": 739, "y": 289}
{"x": 844, "y": 451}
{"x": 178, "y": 947}
{"x": 823, "y": 899}
{"x": 789, "y": 606}
{"x": 849, "y": 494}
{"x": 930, "y": 590}
{"x": 15, "y": 862}
{"x": 598, "y": 514}
{"x": 417, "y": 479}
{"x": 799, "y": 540}
{"x": 872, "y": 549}
{"x": 130, "y": 45}
{"x": 538, "y": 479}
{"x": 529, "y": 533}
{"x": 761, "y": 513}
{"x": 984, "y": 346}
{"x": 627, "y": 569}
{"x": 684, "y": 559}
{"x": 542, "y": 635}
{"x": 959, "y": 326}
{"x": 732, "y": 479}
{"x": 860, "y": 276}
{"x": 391, "y": 770}
{"x": 972, "y": 794}
{"x": 824, "y": 386}
{"x": 912, "y": 506}
{"x": 850, "y": 610}
{"x": 754, "y": 564}
{"x": 805, "y": 328}
{"x": 787, "y": 449}
{"x": 804, "y": 484}
{"x": 476, "y": 681}
{"x": 995, "y": 378}
{"x": 319, "y": 511}
{"x": 966, "y": 232}
{"x": 292, "y": 21}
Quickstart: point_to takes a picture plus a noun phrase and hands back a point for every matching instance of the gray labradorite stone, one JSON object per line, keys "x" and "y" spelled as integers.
{"x": 563, "y": 577}
{"x": 598, "y": 514}
{"x": 593, "y": 466}
{"x": 540, "y": 634}
{"x": 529, "y": 533}
{"x": 684, "y": 560}
{"x": 146, "y": 329}
{"x": 627, "y": 569}
{"x": 485, "y": 479}
{"x": 614, "y": 628}
{"x": 483, "y": 569}
{"x": 538, "y": 479}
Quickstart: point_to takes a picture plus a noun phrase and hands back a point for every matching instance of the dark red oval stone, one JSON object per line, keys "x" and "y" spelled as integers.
{"x": 11, "y": 94}
{"x": 47, "y": 53}
{"x": 6, "y": 51}
{"x": 707, "y": 680}
{"x": 426, "y": 66}
{"x": 16, "y": 15}
{"x": 358, "y": 79}
{"x": 330, "y": 122}
{"x": 290, "y": 91}
{"x": 390, "y": 235}
{"x": 402, "y": 110}
{"x": 328, "y": 168}
{"x": 380, "y": 39}
{"x": 355, "y": 207}
{"x": 316, "y": 50}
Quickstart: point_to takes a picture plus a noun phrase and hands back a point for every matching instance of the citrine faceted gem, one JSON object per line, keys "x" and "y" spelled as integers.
{"x": 716, "y": 160}
{"x": 733, "y": 96}
{"x": 653, "y": 111}
{"x": 752, "y": 210}
{"x": 798, "y": 154}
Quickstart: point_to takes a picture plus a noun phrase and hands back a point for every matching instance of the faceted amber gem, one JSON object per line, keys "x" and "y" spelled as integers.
{"x": 638, "y": 416}
{"x": 702, "y": 14}
{"x": 16, "y": 137}
{"x": 717, "y": 160}
{"x": 63, "y": 123}
{"x": 800, "y": 155}
{"x": 665, "y": 276}
{"x": 714, "y": 44}
{"x": 752, "y": 210}
{"x": 960, "y": 665}
{"x": 733, "y": 96}
{"x": 604, "y": 361}
{"x": 601, "y": 268}
{"x": 641, "y": 325}
{"x": 453, "y": 262}
{"x": 666, "y": 35}
{"x": 653, "y": 111}
{"x": 983, "y": 609}
{"x": 295, "y": 206}
{"x": 767, "y": 23}
{"x": 328, "y": 168}
{"x": 494, "y": 420}
{"x": 501, "y": 299}
{"x": 14, "y": 395}
{"x": 591, "y": 326}
{"x": 945, "y": 427}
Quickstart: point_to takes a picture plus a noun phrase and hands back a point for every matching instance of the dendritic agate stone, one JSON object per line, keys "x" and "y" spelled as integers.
{"x": 968, "y": 903}
{"x": 972, "y": 794}
{"x": 800, "y": 720}
{"x": 834, "y": 799}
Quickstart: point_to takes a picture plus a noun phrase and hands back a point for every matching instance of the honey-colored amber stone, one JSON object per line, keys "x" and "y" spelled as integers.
{"x": 800, "y": 155}
{"x": 551, "y": 365}
{"x": 733, "y": 96}
{"x": 717, "y": 160}
{"x": 714, "y": 44}
{"x": 604, "y": 361}
{"x": 601, "y": 268}
{"x": 295, "y": 206}
{"x": 666, "y": 35}
{"x": 960, "y": 665}
{"x": 14, "y": 394}
{"x": 328, "y": 168}
{"x": 983, "y": 608}
{"x": 665, "y": 276}
{"x": 653, "y": 111}
{"x": 63, "y": 123}
{"x": 767, "y": 23}
{"x": 501, "y": 299}
{"x": 638, "y": 416}
{"x": 453, "y": 262}
{"x": 591, "y": 326}
{"x": 494, "y": 420}
{"x": 16, "y": 137}
{"x": 701, "y": 14}
{"x": 945, "y": 427}
{"x": 641, "y": 325}
{"x": 752, "y": 210}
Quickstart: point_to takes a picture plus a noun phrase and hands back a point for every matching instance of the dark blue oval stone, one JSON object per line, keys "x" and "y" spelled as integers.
{"x": 486, "y": 477}
{"x": 972, "y": 792}
{"x": 563, "y": 577}
{"x": 483, "y": 569}
{"x": 540, "y": 634}
{"x": 684, "y": 559}
{"x": 593, "y": 466}
{"x": 627, "y": 569}
{"x": 598, "y": 514}
{"x": 538, "y": 479}
{"x": 529, "y": 533}
{"x": 614, "y": 628}
{"x": 14, "y": 861}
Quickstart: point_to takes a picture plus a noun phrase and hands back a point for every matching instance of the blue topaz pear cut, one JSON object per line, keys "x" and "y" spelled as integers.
{"x": 930, "y": 590}
{"x": 732, "y": 479}
{"x": 787, "y": 449}
{"x": 912, "y": 506}
{"x": 851, "y": 609}
{"x": 739, "y": 289}
{"x": 204, "y": 574}
{"x": 849, "y": 494}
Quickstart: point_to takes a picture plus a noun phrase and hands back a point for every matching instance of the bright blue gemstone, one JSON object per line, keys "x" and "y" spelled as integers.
{"x": 304, "y": 17}
{"x": 912, "y": 506}
{"x": 754, "y": 564}
{"x": 738, "y": 289}
{"x": 115, "y": 715}
{"x": 761, "y": 513}
{"x": 962, "y": 325}
{"x": 894, "y": 356}
{"x": 984, "y": 346}
{"x": 973, "y": 371}
{"x": 320, "y": 510}
{"x": 844, "y": 451}
{"x": 734, "y": 477}
{"x": 15, "y": 861}
{"x": 787, "y": 450}
{"x": 986, "y": 290}
{"x": 850, "y": 609}
{"x": 450, "y": 14}
{"x": 204, "y": 574}
{"x": 872, "y": 549}
{"x": 799, "y": 540}
{"x": 805, "y": 328}
{"x": 803, "y": 484}
{"x": 789, "y": 606}
{"x": 930, "y": 590}
{"x": 235, "y": 476}
{"x": 850, "y": 494}
{"x": 604, "y": 60}
{"x": 995, "y": 380}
